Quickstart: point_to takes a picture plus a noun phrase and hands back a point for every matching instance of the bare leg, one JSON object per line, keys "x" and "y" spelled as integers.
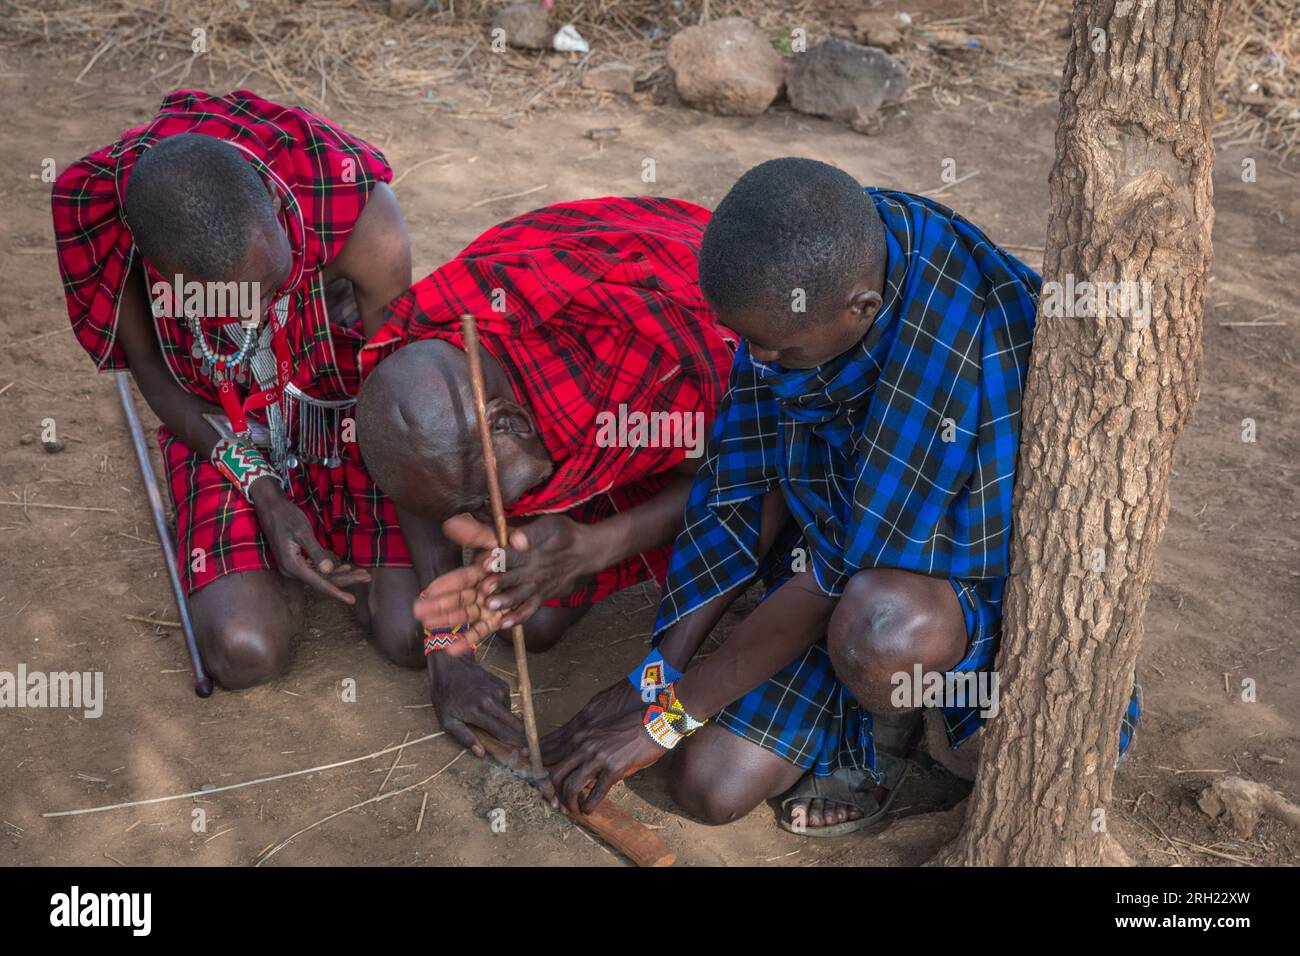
{"x": 384, "y": 606}
{"x": 244, "y": 623}
{"x": 886, "y": 622}
{"x": 545, "y": 628}
{"x": 719, "y": 776}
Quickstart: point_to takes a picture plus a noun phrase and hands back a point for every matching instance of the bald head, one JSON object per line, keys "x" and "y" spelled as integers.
{"x": 419, "y": 436}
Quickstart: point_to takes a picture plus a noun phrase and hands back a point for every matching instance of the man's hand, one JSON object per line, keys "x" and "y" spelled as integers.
{"x": 546, "y": 559}
{"x": 606, "y": 708}
{"x": 293, "y": 543}
{"x": 601, "y": 757}
{"x": 452, "y": 600}
{"x": 465, "y": 693}
{"x": 550, "y": 556}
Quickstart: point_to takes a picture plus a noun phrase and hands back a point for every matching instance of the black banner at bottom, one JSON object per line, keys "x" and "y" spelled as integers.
{"x": 336, "y": 905}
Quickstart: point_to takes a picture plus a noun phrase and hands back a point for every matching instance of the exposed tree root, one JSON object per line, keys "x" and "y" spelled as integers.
{"x": 1244, "y": 802}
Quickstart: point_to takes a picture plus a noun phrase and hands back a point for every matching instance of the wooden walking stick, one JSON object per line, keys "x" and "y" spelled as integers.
{"x": 499, "y": 518}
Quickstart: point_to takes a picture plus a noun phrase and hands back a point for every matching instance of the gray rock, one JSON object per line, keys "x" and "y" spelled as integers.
{"x": 526, "y": 25}
{"x": 845, "y": 82}
{"x": 726, "y": 66}
{"x": 612, "y": 77}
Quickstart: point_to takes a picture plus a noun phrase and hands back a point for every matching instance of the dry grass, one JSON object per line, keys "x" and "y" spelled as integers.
{"x": 1258, "y": 76}
{"x": 325, "y": 53}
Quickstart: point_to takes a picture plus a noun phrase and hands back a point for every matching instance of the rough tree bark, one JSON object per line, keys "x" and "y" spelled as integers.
{"x": 1105, "y": 402}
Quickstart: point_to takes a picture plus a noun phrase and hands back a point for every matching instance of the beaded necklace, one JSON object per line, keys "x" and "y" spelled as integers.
{"x": 226, "y": 369}
{"x": 215, "y": 364}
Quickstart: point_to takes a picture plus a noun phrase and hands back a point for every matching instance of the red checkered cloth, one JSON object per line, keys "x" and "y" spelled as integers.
{"x": 217, "y": 531}
{"x": 323, "y": 177}
{"x": 322, "y": 174}
{"x": 588, "y": 306}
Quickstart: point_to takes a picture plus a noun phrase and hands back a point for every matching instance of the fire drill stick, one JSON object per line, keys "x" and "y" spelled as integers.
{"x": 499, "y": 518}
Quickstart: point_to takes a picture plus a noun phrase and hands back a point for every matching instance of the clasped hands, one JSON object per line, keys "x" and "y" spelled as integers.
{"x": 546, "y": 558}
{"x": 503, "y": 587}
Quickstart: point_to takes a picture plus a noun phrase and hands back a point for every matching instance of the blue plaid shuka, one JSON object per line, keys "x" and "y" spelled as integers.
{"x": 900, "y": 453}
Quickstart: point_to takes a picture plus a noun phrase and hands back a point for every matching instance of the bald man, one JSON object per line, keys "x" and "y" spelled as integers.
{"x": 603, "y": 368}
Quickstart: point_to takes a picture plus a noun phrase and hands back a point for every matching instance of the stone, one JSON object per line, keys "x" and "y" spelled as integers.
{"x": 878, "y": 29}
{"x": 611, "y": 77}
{"x": 567, "y": 39}
{"x": 844, "y": 81}
{"x": 726, "y": 67}
{"x": 526, "y": 26}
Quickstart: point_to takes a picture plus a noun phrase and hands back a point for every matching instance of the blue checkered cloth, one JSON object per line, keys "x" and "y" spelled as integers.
{"x": 900, "y": 453}
{"x": 805, "y": 715}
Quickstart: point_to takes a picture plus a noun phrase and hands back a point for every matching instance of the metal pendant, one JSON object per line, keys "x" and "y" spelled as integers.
{"x": 205, "y": 368}
{"x": 197, "y": 351}
{"x": 332, "y": 462}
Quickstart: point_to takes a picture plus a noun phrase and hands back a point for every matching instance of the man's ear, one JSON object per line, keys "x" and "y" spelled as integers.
{"x": 505, "y": 415}
{"x": 274, "y": 193}
{"x": 865, "y": 304}
{"x": 522, "y": 460}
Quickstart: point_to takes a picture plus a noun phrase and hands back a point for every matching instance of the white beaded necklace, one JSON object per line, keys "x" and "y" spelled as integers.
{"x": 217, "y": 364}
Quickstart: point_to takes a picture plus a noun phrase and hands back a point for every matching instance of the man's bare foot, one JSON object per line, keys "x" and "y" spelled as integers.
{"x": 825, "y": 813}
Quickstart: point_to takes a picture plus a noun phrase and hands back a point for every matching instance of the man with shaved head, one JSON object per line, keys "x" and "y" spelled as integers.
{"x": 861, "y": 468}
{"x": 231, "y": 253}
{"x": 603, "y": 367}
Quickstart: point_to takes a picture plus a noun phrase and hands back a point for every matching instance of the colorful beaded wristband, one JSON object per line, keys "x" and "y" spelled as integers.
{"x": 442, "y": 640}
{"x": 653, "y": 674}
{"x": 666, "y": 720}
{"x": 241, "y": 463}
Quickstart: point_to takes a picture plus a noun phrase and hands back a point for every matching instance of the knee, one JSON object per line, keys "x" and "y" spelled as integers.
{"x": 246, "y": 655}
{"x": 707, "y": 795}
{"x": 887, "y": 622}
{"x": 384, "y": 607}
{"x": 544, "y": 629}
{"x": 398, "y": 636}
{"x": 541, "y": 636}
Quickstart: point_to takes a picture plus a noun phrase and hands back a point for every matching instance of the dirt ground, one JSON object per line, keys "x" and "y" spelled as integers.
{"x": 1224, "y": 601}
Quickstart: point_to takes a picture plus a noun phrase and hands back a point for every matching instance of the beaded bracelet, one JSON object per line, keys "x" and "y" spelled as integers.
{"x": 666, "y": 720}
{"x": 241, "y": 463}
{"x": 442, "y": 640}
{"x": 653, "y": 674}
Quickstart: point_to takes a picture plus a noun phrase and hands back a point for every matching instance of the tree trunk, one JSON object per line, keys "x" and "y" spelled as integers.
{"x": 1105, "y": 401}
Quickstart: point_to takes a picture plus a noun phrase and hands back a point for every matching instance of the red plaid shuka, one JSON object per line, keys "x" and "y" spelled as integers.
{"x": 587, "y": 306}
{"x": 323, "y": 177}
